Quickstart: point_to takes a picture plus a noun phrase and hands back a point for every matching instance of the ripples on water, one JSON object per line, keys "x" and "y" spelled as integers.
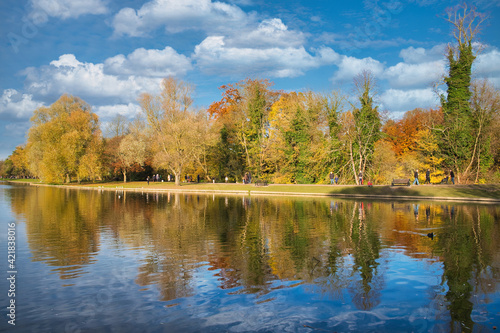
{"x": 94, "y": 261}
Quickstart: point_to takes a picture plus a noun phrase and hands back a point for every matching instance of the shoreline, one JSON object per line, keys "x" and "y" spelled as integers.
{"x": 486, "y": 194}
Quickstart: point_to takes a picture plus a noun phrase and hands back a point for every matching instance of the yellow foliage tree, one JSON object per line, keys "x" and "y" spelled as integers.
{"x": 61, "y": 137}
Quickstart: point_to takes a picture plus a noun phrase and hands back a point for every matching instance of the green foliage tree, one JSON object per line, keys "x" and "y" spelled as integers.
{"x": 244, "y": 111}
{"x": 367, "y": 124}
{"x": 457, "y": 142}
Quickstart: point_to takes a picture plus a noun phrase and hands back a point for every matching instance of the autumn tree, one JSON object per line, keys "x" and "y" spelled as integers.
{"x": 288, "y": 139}
{"x": 243, "y": 115}
{"x": 206, "y": 135}
{"x": 131, "y": 153}
{"x": 485, "y": 107}
{"x": 302, "y": 138}
{"x": 252, "y": 121}
{"x": 176, "y": 135}
{"x": 61, "y": 137}
{"x": 118, "y": 126}
{"x": 227, "y": 156}
{"x": 19, "y": 161}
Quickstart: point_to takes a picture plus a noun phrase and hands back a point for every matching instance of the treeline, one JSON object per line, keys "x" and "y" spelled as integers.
{"x": 280, "y": 137}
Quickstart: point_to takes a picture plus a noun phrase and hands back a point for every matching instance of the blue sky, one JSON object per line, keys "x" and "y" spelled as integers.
{"x": 108, "y": 52}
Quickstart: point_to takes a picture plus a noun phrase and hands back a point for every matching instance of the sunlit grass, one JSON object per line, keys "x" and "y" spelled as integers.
{"x": 487, "y": 191}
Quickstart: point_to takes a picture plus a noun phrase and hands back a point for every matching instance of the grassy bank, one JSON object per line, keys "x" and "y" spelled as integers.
{"x": 487, "y": 192}
{"x": 473, "y": 192}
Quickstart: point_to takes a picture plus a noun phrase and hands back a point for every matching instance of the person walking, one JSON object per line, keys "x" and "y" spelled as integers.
{"x": 331, "y": 178}
{"x": 360, "y": 176}
{"x": 428, "y": 176}
{"x": 452, "y": 176}
{"x": 336, "y": 179}
{"x": 147, "y": 179}
{"x": 415, "y": 174}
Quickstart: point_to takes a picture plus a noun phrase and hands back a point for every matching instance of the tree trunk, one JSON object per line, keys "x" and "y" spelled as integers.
{"x": 353, "y": 164}
{"x": 124, "y": 176}
{"x": 177, "y": 179}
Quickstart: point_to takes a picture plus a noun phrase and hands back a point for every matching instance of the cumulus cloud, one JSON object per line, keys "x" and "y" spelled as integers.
{"x": 129, "y": 110}
{"x": 176, "y": 16}
{"x": 17, "y": 105}
{"x": 86, "y": 80}
{"x": 349, "y": 67}
{"x": 213, "y": 56}
{"x": 152, "y": 63}
{"x": 488, "y": 63}
{"x": 269, "y": 33}
{"x": 65, "y": 9}
{"x": 415, "y": 75}
{"x": 397, "y": 100}
{"x": 412, "y": 55}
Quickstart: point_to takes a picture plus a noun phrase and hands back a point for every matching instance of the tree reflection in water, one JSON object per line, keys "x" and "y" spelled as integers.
{"x": 338, "y": 249}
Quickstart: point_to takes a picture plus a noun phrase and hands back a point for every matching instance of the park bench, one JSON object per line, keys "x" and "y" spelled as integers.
{"x": 405, "y": 182}
{"x": 444, "y": 180}
{"x": 259, "y": 182}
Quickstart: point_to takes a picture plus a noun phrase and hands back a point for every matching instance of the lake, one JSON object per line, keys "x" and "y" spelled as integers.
{"x": 115, "y": 261}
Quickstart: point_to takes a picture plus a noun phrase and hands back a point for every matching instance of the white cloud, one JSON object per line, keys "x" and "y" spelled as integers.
{"x": 178, "y": 16}
{"x": 17, "y": 105}
{"x": 415, "y": 75}
{"x": 420, "y": 55}
{"x": 397, "y": 100}
{"x": 269, "y": 33}
{"x": 66, "y": 60}
{"x": 488, "y": 63}
{"x": 349, "y": 67}
{"x": 151, "y": 63}
{"x": 129, "y": 110}
{"x": 213, "y": 56}
{"x": 86, "y": 80}
{"x": 65, "y": 9}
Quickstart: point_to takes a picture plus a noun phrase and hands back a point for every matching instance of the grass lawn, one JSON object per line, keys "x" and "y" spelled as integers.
{"x": 486, "y": 191}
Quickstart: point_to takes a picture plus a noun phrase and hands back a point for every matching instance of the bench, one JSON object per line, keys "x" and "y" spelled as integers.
{"x": 444, "y": 180}
{"x": 405, "y": 182}
{"x": 259, "y": 182}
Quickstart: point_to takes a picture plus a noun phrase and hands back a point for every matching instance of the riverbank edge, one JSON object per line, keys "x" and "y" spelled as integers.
{"x": 251, "y": 192}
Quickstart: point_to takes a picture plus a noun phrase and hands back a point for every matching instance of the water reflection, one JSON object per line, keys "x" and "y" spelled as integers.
{"x": 342, "y": 251}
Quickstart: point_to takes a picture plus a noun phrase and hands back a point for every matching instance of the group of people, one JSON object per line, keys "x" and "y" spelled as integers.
{"x": 157, "y": 178}
{"x": 334, "y": 179}
{"x": 154, "y": 178}
{"x": 428, "y": 177}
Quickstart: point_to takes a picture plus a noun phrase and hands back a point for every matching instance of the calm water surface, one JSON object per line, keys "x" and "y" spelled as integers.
{"x": 91, "y": 261}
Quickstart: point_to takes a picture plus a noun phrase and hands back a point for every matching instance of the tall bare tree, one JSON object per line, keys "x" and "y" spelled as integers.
{"x": 177, "y": 133}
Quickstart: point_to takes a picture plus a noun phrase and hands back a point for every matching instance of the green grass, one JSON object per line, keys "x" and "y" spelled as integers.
{"x": 487, "y": 191}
